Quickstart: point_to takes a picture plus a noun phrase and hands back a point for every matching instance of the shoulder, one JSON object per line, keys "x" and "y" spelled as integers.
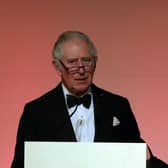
{"x": 110, "y": 100}
{"x": 47, "y": 98}
{"x": 42, "y": 106}
{"x": 107, "y": 94}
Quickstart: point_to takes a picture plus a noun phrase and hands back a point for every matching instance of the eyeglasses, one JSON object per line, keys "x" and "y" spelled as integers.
{"x": 74, "y": 67}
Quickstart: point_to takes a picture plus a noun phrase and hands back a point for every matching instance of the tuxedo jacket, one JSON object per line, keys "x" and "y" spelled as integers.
{"x": 47, "y": 119}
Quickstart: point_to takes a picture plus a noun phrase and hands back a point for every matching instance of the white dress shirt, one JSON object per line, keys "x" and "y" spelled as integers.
{"x": 82, "y": 120}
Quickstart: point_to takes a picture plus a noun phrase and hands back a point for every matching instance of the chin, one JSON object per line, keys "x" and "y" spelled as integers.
{"x": 81, "y": 89}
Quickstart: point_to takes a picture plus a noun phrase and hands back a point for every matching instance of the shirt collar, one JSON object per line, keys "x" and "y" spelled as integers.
{"x": 66, "y": 91}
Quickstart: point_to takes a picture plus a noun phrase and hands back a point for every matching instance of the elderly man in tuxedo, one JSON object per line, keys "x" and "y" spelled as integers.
{"x": 77, "y": 110}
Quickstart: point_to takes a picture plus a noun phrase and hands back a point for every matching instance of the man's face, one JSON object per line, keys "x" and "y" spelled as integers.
{"x": 77, "y": 66}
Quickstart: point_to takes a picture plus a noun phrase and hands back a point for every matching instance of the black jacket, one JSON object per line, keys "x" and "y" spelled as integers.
{"x": 47, "y": 119}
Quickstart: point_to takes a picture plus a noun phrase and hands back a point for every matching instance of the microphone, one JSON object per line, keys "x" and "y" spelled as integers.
{"x": 80, "y": 122}
{"x": 74, "y": 111}
{"x": 79, "y": 125}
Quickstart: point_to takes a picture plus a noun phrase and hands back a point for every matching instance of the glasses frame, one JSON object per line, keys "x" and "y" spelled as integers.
{"x": 76, "y": 69}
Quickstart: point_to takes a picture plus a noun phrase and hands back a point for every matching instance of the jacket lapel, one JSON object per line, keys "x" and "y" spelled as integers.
{"x": 63, "y": 127}
{"x": 103, "y": 122}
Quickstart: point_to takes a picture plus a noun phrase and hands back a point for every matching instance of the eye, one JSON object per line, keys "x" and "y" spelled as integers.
{"x": 72, "y": 61}
{"x": 87, "y": 59}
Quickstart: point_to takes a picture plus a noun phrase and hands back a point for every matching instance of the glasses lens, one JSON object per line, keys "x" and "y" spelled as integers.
{"x": 73, "y": 70}
{"x": 77, "y": 69}
{"x": 87, "y": 65}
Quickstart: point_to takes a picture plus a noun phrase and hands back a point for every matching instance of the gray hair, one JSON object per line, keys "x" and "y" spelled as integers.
{"x": 69, "y": 35}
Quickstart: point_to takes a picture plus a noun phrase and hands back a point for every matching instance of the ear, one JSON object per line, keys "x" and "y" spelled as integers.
{"x": 95, "y": 62}
{"x": 57, "y": 67}
{"x": 95, "y": 59}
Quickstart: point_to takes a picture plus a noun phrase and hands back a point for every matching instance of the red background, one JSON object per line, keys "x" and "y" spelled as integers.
{"x": 132, "y": 41}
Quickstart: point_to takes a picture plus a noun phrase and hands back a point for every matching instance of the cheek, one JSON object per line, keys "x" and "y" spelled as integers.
{"x": 68, "y": 79}
{"x": 91, "y": 75}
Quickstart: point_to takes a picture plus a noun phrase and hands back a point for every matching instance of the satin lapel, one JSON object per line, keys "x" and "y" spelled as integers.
{"x": 103, "y": 123}
{"x": 61, "y": 122}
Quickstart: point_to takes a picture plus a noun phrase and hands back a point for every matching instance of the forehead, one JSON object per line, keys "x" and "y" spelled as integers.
{"x": 75, "y": 48}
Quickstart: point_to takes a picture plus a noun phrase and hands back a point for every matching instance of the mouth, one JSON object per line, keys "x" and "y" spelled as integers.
{"x": 81, "y": 80}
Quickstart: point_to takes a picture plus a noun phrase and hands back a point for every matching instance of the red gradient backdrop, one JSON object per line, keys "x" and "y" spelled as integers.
{"x": 132, "y": 41}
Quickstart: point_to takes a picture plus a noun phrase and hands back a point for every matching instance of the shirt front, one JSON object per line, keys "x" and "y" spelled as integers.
{"x": 82, "y": 120}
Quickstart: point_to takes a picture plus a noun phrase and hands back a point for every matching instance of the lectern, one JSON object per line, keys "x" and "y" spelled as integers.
{"x": 84, "y": 155}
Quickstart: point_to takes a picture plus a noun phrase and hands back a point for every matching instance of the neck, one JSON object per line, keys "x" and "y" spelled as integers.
{"x": 77, "y": 94}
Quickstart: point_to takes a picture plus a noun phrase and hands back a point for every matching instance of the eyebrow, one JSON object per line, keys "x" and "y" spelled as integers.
{"x": 79, "y": 58}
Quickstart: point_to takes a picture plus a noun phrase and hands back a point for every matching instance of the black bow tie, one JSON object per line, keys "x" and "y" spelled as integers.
{"x": 72, "y": 100}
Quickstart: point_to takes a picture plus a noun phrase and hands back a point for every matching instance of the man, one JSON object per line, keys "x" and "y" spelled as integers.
{"x": 76, "y": 110}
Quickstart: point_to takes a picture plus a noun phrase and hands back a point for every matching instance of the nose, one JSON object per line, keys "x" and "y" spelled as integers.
{"x": 81, "y": 69}
{"x": 80, "y": 63}
{"x": 81, "y": 66}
